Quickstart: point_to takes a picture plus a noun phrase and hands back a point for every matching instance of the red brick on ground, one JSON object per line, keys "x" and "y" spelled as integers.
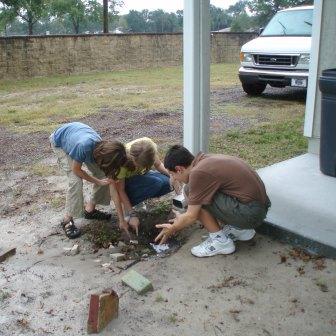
{"x": 103, "y": 308}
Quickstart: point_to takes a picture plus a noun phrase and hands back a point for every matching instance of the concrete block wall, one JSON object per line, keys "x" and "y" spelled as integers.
{"x": 34, "y": 56}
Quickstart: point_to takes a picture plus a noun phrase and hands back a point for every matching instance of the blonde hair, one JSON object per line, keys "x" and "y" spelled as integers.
{"x": 143, "y": 153}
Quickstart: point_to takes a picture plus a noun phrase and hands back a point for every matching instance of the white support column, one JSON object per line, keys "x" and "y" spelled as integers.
{"x": 312, "y": 101}
{"x": 196, "y": 72}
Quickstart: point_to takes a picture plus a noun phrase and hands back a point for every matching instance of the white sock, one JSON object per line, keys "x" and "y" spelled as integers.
{"x": 218, "y": 235}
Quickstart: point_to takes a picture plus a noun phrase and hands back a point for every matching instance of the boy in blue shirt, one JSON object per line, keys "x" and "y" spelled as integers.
{"x": 76, "y": 144}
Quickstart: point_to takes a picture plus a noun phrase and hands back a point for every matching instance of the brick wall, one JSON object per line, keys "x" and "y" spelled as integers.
{"x": 22, "y": 57}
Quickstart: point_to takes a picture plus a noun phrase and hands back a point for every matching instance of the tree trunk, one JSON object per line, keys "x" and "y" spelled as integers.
{"x": 105, "y": 17}
{"x": 30, "y": 24}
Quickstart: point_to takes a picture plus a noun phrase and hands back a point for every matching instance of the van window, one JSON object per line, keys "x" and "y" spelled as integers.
{"x": 290, "y": 23}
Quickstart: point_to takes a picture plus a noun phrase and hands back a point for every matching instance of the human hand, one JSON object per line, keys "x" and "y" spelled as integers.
{"x": 134, "y": 224}
{"x": 123, "y": 225}
{"x": 167, "y": 231}
{"x": 104, "y": 181}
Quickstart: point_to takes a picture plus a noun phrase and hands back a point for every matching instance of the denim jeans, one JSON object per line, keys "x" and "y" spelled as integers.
{"x": 141, "y": 187}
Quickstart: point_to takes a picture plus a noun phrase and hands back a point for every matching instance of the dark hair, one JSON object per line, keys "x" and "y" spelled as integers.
{"x": 110, "y": 156}
{"x": 143, "y": 154}
{"x": 178, "y": 155}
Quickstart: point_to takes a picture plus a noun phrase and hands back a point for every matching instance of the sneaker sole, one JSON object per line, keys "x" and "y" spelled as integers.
{"x": 224, "y": 251}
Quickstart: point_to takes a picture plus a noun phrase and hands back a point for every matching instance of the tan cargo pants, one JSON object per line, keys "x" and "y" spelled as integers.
{"x": 74, "y": 205}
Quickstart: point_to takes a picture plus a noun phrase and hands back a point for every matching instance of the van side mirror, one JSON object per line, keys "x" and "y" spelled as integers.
{"x": 261, "y": 29}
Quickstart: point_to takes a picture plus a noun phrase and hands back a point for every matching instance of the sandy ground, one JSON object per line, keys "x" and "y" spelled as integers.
{"x": 265, "y": 288}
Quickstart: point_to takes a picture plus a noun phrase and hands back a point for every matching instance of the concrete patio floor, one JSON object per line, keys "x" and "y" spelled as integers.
{"x": 303, "y": 208}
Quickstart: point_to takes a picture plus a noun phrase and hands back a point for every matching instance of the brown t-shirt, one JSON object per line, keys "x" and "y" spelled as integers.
{"x": 224, "y": 173}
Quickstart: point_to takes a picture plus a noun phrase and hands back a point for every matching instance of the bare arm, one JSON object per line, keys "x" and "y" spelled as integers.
{"x": 160, "y": 167}
{"x": 77, "y": 169}
{"x": 120, "y": 185}
{"x": 133, "y": 220}
{"x": 116, "y": 199}
{"x": 179, "y": 223}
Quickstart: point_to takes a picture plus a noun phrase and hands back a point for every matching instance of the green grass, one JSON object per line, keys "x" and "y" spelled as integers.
{"x": 43, "y": 103}
{"x": 264, "y": 145}
{"x": 159, "y": 298}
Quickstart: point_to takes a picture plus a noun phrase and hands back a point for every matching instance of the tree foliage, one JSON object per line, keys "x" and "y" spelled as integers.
{"x": 81, "y": 16}
{"x": 29, "y": 11}
{"x": 263, "y": 10}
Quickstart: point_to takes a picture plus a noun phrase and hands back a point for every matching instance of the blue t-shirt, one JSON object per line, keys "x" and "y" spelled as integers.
{"x": 77, "y": 140}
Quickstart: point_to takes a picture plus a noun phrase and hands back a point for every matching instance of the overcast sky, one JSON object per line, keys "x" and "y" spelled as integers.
{"x": 166, "y": 5}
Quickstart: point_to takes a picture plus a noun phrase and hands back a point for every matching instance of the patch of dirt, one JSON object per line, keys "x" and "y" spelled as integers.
{"x": 19, "y": 149}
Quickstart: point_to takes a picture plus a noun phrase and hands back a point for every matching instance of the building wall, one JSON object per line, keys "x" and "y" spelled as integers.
{"x": 31, "y": 56}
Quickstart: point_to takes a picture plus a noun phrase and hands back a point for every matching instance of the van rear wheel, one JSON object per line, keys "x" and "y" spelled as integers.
{"x": 254, "y": 89}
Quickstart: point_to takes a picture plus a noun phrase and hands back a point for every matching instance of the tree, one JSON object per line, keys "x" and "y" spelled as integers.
{"x": 242, "y": 23}
{"x": 7, "y": 16}
{"x": 74, "y": 10}
{"x": 29, "y": 11}
{"x": 137, "y": 21}
{"x": 219, "y": 19}
{"x": 179, "y": 16}
{"x": 161, "y": 22}
{"x": 237, "y": 9}
{"x": 265, "y": 9}
{"x": 113, "y": 9}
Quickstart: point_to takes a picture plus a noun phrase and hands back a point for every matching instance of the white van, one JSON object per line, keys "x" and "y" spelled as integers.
{"x": 280, "y": 55}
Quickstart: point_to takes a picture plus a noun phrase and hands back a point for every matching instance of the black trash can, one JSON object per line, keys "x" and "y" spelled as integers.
{"x": 327, "y": 83}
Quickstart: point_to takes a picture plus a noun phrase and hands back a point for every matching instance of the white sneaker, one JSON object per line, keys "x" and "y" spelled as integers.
{"x": 236, "y": 234}
{"x": 211, "y": 247}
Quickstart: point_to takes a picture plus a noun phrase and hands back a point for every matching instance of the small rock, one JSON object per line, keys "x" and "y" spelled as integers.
{"x": 71, "y": 251}
{"x": 117, "y": 256}
{"x": 97, "y": 260}
{"x": 106, "y": 265}
{"x": 75, "y": 249}
{"x": 134, "y": 242}
{"x": 114, "y": 249}
{"x": 121, "y": 244}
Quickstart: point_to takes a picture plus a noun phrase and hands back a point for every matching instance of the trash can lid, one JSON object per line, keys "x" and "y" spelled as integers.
{"x": 329, "y": 72}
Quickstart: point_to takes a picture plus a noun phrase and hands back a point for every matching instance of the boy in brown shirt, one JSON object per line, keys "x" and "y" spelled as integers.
{"x": 219, "y": 188}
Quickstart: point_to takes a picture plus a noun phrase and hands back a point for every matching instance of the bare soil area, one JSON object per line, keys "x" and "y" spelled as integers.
{"x": 264, "y": 288}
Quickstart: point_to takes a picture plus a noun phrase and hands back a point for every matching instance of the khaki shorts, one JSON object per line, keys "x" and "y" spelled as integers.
{"x": 230, "y": 211}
